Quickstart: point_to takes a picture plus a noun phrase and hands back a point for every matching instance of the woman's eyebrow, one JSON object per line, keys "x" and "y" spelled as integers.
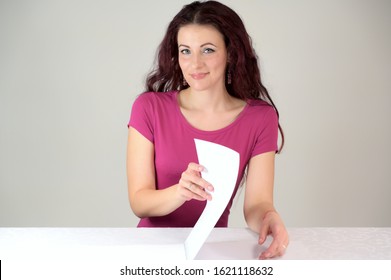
{"x": 181, "y": 45}
{"x": 203, "y": 45}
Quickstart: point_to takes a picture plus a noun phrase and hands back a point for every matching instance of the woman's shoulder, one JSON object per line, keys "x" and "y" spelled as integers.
{"x": 258, "y": 102}
{"x": 151, "y": 98}
{"x": 260, "y": 107}
{"x": 157, "y": 95}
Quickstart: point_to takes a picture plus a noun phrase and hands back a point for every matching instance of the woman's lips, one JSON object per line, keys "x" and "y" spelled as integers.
{"x": 198, "y": 76}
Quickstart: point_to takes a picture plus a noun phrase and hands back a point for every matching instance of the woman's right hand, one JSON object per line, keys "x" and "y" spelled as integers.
{"x": 192, "y": 185}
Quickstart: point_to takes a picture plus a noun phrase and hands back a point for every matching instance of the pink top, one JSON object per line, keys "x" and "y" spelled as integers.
{"x": 158, "y": 118}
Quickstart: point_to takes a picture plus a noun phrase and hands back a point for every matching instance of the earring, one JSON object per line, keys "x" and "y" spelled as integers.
{"x": 229, "y": 77}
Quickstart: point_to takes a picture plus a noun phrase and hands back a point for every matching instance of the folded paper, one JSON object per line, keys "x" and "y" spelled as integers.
{"x": 222, "y": 166}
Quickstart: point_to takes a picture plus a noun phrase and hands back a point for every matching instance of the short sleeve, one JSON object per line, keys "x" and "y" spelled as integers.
{"x": 268, "y": 133}
{"x": 142, "y": 116}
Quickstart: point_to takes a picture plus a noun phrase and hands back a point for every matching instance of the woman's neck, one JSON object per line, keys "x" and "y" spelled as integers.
{"x": 207, "y": 101}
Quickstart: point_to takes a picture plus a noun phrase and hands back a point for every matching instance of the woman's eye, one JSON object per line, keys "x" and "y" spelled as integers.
{"x": 185, "y": 51}
{"x": 209, "y": 50}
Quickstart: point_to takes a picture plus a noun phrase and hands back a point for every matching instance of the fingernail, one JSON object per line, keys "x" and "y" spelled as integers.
{"x": 210, "y": 188}
{"x": 262, "y": 256}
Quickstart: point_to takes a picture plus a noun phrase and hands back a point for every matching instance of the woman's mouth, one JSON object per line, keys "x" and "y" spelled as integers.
{"x": 198, "y": 76}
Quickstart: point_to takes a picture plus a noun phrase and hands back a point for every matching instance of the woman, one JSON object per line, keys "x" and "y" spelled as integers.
{"x": 206, "y": 85}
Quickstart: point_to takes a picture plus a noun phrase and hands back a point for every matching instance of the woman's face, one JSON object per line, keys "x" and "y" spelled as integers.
{"x": 202, "y": 56}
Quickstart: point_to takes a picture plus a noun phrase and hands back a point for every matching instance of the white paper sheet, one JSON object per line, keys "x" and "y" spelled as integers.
{"x": 222, "y": 166}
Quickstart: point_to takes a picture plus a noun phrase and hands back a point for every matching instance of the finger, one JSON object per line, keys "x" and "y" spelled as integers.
{"x": 188, "y": 194}
{"x": 190, "y": 190}
{"x": 282, "y": 249}
{"x": 191, "y": 195}
{"x": 192, "y": 183}
{"x": 196, "y": 170}
{"x": 195, "y": 167}
{"x": 263, "y": 232}
{"x": 271, "y": 251}
{"x": 276, "y": 248}
{"x": 192, "y": 178}
{"x": 202, "y": 183}
{"x": 199, "y": 191}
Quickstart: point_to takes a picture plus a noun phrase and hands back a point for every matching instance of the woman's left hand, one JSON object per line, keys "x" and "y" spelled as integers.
{"x": 273, "y": 225}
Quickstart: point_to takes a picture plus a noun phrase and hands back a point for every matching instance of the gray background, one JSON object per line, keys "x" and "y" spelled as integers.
{"x": 70, "y": 70}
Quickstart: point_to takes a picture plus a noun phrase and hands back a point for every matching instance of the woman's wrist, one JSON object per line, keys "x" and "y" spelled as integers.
{"x": 267, "y": 213}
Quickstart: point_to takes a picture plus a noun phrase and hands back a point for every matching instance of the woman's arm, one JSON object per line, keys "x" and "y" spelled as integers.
{"x": 144, "y": 199}
{"x": 259, "y": 210}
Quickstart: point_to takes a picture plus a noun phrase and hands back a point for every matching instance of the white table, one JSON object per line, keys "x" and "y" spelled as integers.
{"x": 222, "y": 244}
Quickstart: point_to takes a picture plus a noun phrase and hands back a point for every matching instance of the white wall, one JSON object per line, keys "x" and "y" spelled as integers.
{"x": 70, "y": 70}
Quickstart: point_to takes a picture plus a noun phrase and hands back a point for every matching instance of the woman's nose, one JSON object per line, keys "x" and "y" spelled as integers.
{"x": 196, "y": 60}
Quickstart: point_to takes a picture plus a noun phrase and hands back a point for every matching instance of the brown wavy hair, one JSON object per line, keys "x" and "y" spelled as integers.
{"x": 242, "y": 60}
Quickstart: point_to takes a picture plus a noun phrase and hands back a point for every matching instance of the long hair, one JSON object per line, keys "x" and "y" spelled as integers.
{"x": 242, "y": 60}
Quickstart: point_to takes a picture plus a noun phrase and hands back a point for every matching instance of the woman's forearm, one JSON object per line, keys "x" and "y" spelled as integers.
{"x": 153, "y": 203}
